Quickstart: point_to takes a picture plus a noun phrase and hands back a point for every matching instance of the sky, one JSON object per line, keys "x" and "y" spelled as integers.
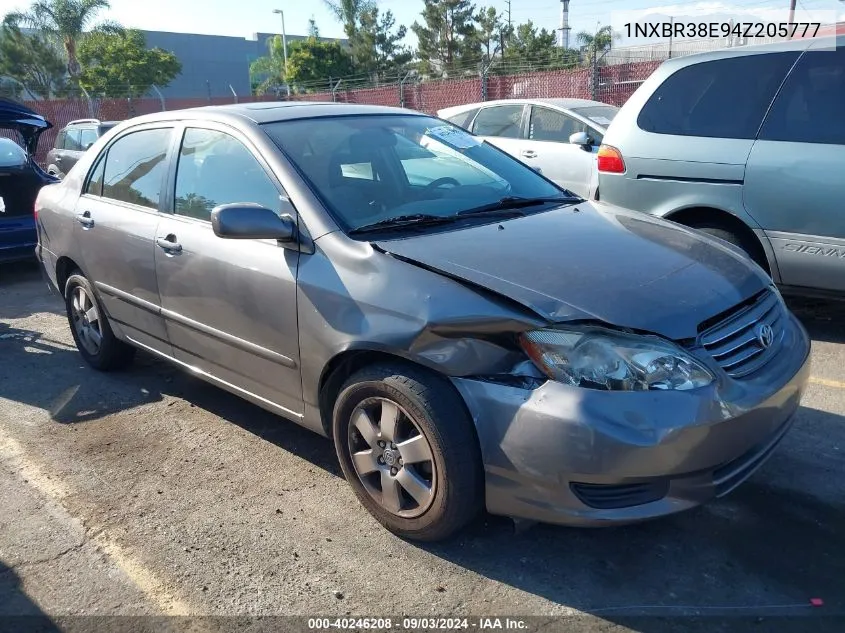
{"x": 245, "y": 17}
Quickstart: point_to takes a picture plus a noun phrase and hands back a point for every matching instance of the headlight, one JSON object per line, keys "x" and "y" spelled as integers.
{"x": 598, "y": 358}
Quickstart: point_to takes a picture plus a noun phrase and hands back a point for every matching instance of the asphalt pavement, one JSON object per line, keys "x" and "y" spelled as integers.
{"x": 149, "y": 492}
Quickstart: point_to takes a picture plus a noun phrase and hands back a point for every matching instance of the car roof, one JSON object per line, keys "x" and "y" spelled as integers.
{"x": 273, "y": 111}
{"x": 563, "y": 103}
{"x": 801, "y": 44}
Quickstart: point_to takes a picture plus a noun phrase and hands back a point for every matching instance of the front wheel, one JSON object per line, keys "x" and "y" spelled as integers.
{"x": 409, "y": 450}
{"x": 90, "y": 328}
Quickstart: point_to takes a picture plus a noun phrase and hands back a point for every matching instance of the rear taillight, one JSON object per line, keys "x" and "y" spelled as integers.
{"x": 610, "y": 160}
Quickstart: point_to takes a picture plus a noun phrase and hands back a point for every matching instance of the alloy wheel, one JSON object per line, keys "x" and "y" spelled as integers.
{"x": 392, "y": 457}
{"x": 86, "y": 320}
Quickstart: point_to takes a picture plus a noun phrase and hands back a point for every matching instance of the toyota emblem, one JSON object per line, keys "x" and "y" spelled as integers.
{"x": 765, "y": 335}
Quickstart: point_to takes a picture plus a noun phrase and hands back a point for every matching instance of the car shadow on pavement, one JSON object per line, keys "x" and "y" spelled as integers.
{"x": 17, "y": 301}
{"x": 823, "y": 318}
{"x": 18, "y": 612}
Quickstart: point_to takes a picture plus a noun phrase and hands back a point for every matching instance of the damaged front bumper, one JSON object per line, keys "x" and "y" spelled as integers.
{"x": 566, "y": 455}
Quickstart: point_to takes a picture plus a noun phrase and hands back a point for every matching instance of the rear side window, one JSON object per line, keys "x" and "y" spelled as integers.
{"x": 463, "y": 119}
{"x": 499, "y": 121}
{"x": 726, "y": 98}
{"x": 810, "y": 108}
{"x": 135, "y": 167}
{"x": 95, "y": 180}
{"x": 72, "y": 140}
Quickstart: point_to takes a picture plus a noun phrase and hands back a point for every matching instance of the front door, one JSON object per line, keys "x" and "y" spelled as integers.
{"x": 116, "y": 220}
{"x": 230, "y": 305}
{"x": 795, "y": 177}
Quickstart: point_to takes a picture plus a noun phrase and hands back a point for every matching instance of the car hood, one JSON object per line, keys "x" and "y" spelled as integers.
{"x": 597, "y": 262}
{"x": 28, "y": 122}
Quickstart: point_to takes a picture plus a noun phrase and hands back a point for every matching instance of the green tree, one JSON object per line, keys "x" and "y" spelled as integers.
{"x": 32, "y": 62}
{"x": 311, "y": 60}
{"x": 268, "y": 72}
{"x": 121, "y": 65}
{"x": 374, "y": 39}
{"x": 67, "y": 21}
{"x": 492, "y": 31}
{"x": 594, "y": 44}
{"x": 448, "y": 41}
{"x": 534, "y": 49}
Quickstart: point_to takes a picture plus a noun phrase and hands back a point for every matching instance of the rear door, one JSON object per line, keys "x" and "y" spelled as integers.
{"x": 117, "y": 215}
{"x": 230, "y": 304}
{"x": 548, "y": 148}
{"x": 502, "y": 126}
{"x": 795, "y": 179}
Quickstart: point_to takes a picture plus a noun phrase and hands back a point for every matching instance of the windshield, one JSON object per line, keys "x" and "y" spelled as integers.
{"x": 11, "y": 154}
{"x": 373, "y": 168}
{"x": 600, "y": 115}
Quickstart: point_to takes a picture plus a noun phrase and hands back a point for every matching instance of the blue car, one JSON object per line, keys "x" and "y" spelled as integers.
{"x": 20, "y": 179}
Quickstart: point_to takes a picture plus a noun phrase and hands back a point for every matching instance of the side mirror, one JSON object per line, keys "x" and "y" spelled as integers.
{"x": 247, "y": 221}
{"x": 581, "y": 138}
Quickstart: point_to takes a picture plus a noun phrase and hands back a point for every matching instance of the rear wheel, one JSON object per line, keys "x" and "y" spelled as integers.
{"x": 750, "y": 247}
{"x": 90, "y": 328}
{"x": 409, "y": 451}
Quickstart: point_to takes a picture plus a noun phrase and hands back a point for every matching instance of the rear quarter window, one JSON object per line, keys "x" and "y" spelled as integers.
{"x": 725, "y": 98}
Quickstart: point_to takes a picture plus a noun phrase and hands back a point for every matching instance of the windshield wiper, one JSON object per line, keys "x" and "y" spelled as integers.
{"x": 510, "y": 203}
{"x": 401, "y": 221}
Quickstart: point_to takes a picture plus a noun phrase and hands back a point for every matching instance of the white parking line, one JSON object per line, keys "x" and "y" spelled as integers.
{"x": 52, "y": 487}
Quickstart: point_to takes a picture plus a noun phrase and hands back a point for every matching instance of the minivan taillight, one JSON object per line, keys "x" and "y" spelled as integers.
{"x": 610, "y": 160}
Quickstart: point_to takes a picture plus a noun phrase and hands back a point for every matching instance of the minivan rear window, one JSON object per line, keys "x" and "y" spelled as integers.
{"x": 725, "y": 98}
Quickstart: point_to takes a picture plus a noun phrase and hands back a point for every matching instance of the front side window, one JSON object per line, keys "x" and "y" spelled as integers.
{"x": 551, "y": 125}
{"x": 87, "y": 137}
{"x": 135, "y": 166}
{"x": 810, "y": 107}
{"x": 601, "y": 115}
{"x": 504, "y": 121}
{"x": 414, "y": 165}
{"x": 215, "y": 168}
{"x": 72, "y": 140}
{"x": 726, "y": 98}
{"x": 94, "y": 186}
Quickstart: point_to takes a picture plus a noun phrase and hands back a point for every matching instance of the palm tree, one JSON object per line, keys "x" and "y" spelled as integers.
{"x": 65, "y": 20}
{"x": 595, "y": 43}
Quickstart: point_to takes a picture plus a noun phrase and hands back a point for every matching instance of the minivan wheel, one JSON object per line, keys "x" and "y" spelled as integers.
{"x": 752, "y": 250}
{"x": 90, "y": 328}
{"x": 408, "y": 449}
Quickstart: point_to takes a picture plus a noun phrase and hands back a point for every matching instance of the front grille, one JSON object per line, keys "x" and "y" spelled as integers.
{"x": 608, "y": 497}
{"x": 736, "y": 341}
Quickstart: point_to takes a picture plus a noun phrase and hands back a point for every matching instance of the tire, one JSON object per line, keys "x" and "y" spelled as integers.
{"x": 426, "y": 405}
{"x": 92, "y": 333}
{"x": 753, "y": 251}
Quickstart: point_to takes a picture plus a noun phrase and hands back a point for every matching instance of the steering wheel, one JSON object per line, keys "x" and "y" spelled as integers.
{"x": 442, "y": 181}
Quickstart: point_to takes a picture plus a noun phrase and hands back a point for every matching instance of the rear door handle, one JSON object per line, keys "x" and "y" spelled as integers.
{"x": 169, "y": 244}
{"x": 529, "y": 153}
{"x": 85, "y": 219}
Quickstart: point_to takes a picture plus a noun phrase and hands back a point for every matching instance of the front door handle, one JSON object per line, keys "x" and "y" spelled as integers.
{"x": 58, "y": 159}
{"x": 85, "y": 219}
{"x": 528, "y": 153}
{"x": 169, "y": 244}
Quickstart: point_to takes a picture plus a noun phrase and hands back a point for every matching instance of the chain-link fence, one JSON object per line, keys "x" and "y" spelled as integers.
{"x": 611, "y": 78}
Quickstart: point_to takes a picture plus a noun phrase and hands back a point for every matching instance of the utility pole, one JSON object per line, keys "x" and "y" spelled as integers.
{"x": 792, "y": 11}
{"x": 563, "y": 37}
{"x": 284, "y": 48}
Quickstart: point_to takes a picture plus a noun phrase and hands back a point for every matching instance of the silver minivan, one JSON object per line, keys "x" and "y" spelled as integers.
{"x": 747, "y": 144}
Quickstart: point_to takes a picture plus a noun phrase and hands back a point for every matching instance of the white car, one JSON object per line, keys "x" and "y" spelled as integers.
{"x": 557, "y": 137}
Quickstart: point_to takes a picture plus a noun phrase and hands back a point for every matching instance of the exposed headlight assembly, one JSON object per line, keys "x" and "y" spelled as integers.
{"x": 599, "y": 358}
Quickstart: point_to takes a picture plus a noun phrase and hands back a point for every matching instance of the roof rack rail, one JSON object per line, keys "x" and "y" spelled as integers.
{"x": 83, "y": 121}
